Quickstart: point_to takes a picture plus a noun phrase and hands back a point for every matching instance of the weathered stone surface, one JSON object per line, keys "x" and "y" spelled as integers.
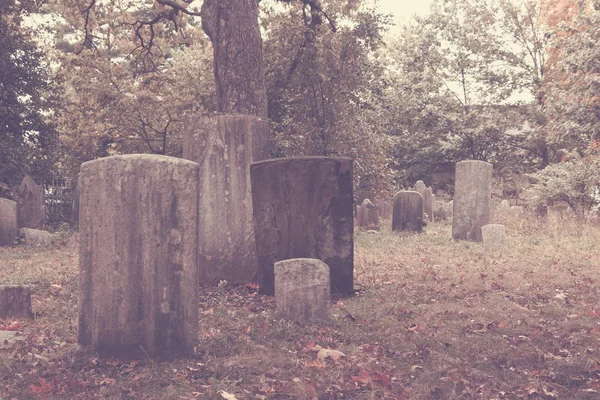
{"x": 439, "y": 213}
{"x": 505, "y": 205}
{"x": 472, "y": 195}
{"x": 224, "y": 146}
{"x": 494, "y": 237}
{"x": 516, "y": 210}
{"x": 8, "y": 222}
{"x": 75, "y": 206}
{"x": 15, "y": 302}
{"x": 9, "y": 337}
{"x": 428, "y": 204}
{"x": 36, "y": 237}
{"x": 362, "y": 216}
{"x": 302, "y": 289}
{"x": 303, "y": 209}
{"x": 368, "y": 215}
{"x": 138, "y": 270}
{"x": 31, "y": 212}
{"x": 408, "y": 212}
{"x": 373, "y": 216}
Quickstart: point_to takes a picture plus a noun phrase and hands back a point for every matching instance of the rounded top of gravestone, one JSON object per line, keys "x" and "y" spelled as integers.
{"x": 8, "y": 201}
{"x": 407, "y": 193}
{"x": 137, "y": 159}
{"x": 368, "y": 203}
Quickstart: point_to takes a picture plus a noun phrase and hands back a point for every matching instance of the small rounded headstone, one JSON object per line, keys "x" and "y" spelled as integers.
{"x": 15, "y": 302}
{"x": 302, "y": 289}
{"x": 494, "y": 237}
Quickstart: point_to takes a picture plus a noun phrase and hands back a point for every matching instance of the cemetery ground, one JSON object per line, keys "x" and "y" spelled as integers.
{"x": 433, "y": 318}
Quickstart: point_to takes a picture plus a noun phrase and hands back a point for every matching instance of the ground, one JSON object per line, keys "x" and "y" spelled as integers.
{"x": 432, "y": 319}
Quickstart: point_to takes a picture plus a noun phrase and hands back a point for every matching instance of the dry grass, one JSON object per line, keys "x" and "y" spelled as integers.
{"x": 433, "y": 319}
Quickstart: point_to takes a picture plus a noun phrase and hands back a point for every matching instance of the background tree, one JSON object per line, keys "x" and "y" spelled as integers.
{"x": 27, "y": 139}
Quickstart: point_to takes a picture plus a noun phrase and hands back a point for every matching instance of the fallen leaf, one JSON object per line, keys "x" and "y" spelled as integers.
{"x": 333, "y": 354}
{"x": 227, "y": 396}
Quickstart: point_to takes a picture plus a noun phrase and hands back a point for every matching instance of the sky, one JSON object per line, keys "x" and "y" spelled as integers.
{"x": 402, "y": 10}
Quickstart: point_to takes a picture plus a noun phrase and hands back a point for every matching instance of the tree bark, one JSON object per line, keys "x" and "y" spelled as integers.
{"x": 232, "y": 26}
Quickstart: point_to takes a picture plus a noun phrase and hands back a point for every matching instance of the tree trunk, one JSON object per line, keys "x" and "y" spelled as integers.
{"x": 232, "y": 26}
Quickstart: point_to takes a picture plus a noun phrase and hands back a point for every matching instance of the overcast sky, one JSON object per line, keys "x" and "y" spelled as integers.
{"x": 402, "y": 10}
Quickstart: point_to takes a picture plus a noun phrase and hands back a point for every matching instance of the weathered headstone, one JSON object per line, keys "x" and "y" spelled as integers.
{"x": 494, "y": 237}
{"x": 370, "y": 215}
{"x": 15, "y": 302}
{"x": 302, "y": 289}
{"x": 75, "y": 206}
{"x": 36, "y": 237}
{"x": 303, "y": 209}
{"x": 428, "y": 203}
{"x": 408, "y": 212}
{"x": 439, "y": 214}
{"x": 450, "y": 210}
{"x": 224, "y": 146}
{"x": 472, "y": 194}
{"x": 421, "y": 188}
{"x": 8, "y": 222}
{"x": 138, "y": 270}
{"x": 516, "y": 210}
{"x": 31, "y": 211}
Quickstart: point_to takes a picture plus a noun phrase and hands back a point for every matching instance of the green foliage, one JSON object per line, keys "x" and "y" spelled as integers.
{"x": 27, "y": 139}
{"x": 326, "y": 89}
{"x": 575, "y": 182}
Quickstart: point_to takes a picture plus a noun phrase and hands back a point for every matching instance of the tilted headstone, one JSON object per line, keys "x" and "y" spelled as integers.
{"x": 440, "y": 211}
{"x": 8, "y": 222}
{"x": 31, "y": 212}
{"x": 494, "y": 237}
{"x": 138, "y": 270}
{"x": 224, "y": 146}
{"x": 303, "y": 209}
{"x": 36, "y": 237}
{"x": 302, "y": 289}
{"x": 15, "y": 302}
{"x": 472, "y": 195}
{"x": 408, "y": 212}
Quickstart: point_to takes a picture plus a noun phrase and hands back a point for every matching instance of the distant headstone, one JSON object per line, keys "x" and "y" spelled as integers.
{"x": 516, "y": 210}
{"x": 472, "y": 194}
{"x": 428, "y": 203}
{"x": 8, "y": 222}
{"x": 505, "y": 205}
{"x": 408, "y": 212}
{"x": 36, "y": 237}
{"x": 450, "y": 209}
{"x": 15, "y": 302}
{"x": 421, "y": 188}
{"x": 440, "y": 211}
{"x": 302, "y": 289}
{"x": 31, "y": 211}
{"x": 370, "y": 215}
{"x": 75, "y": 206}
{"x": 224, "y": 146}
{"x": 138, "y": 270}
{"x": 303, "y": 209}
{"x": 362, "y": 216}
{"x": 494, "y": 237}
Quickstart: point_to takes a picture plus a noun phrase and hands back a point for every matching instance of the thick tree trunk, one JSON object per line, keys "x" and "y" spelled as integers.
{"x": 232, "y": 26}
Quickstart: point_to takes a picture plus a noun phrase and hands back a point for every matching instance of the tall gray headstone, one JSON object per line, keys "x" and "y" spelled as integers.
{"x": 138, "y": 270}
{"x": 224, "y": 146}
{"x": 31, "y": 212}
{"x": 472, "y": 198}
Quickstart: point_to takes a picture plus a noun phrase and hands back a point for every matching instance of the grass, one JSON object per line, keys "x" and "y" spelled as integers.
{"x": 432, "y": 319}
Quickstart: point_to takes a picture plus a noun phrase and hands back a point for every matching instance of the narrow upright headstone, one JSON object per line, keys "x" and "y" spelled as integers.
{"x": 15, "y": 302}
{"x": 428, "y": 203}
{"x": 75, "y": 204}
{"x": 138, "y": 271}
{"x": 439, "y": 214}
{"x": 8, "y": 222}
{"x": 31, "y": 212}
{"x": 408, "y": 212}
{"x": 224, "y": 146}
{"x": 472, "y": 195}
{"x": 450, "y": 209}
{"x": 494, "y": 237}
{"x": 505, "y": 205}
{"x": 303, "y": 209}
{"x": 370, "y": 215}
{"x": 302, "y": 289}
